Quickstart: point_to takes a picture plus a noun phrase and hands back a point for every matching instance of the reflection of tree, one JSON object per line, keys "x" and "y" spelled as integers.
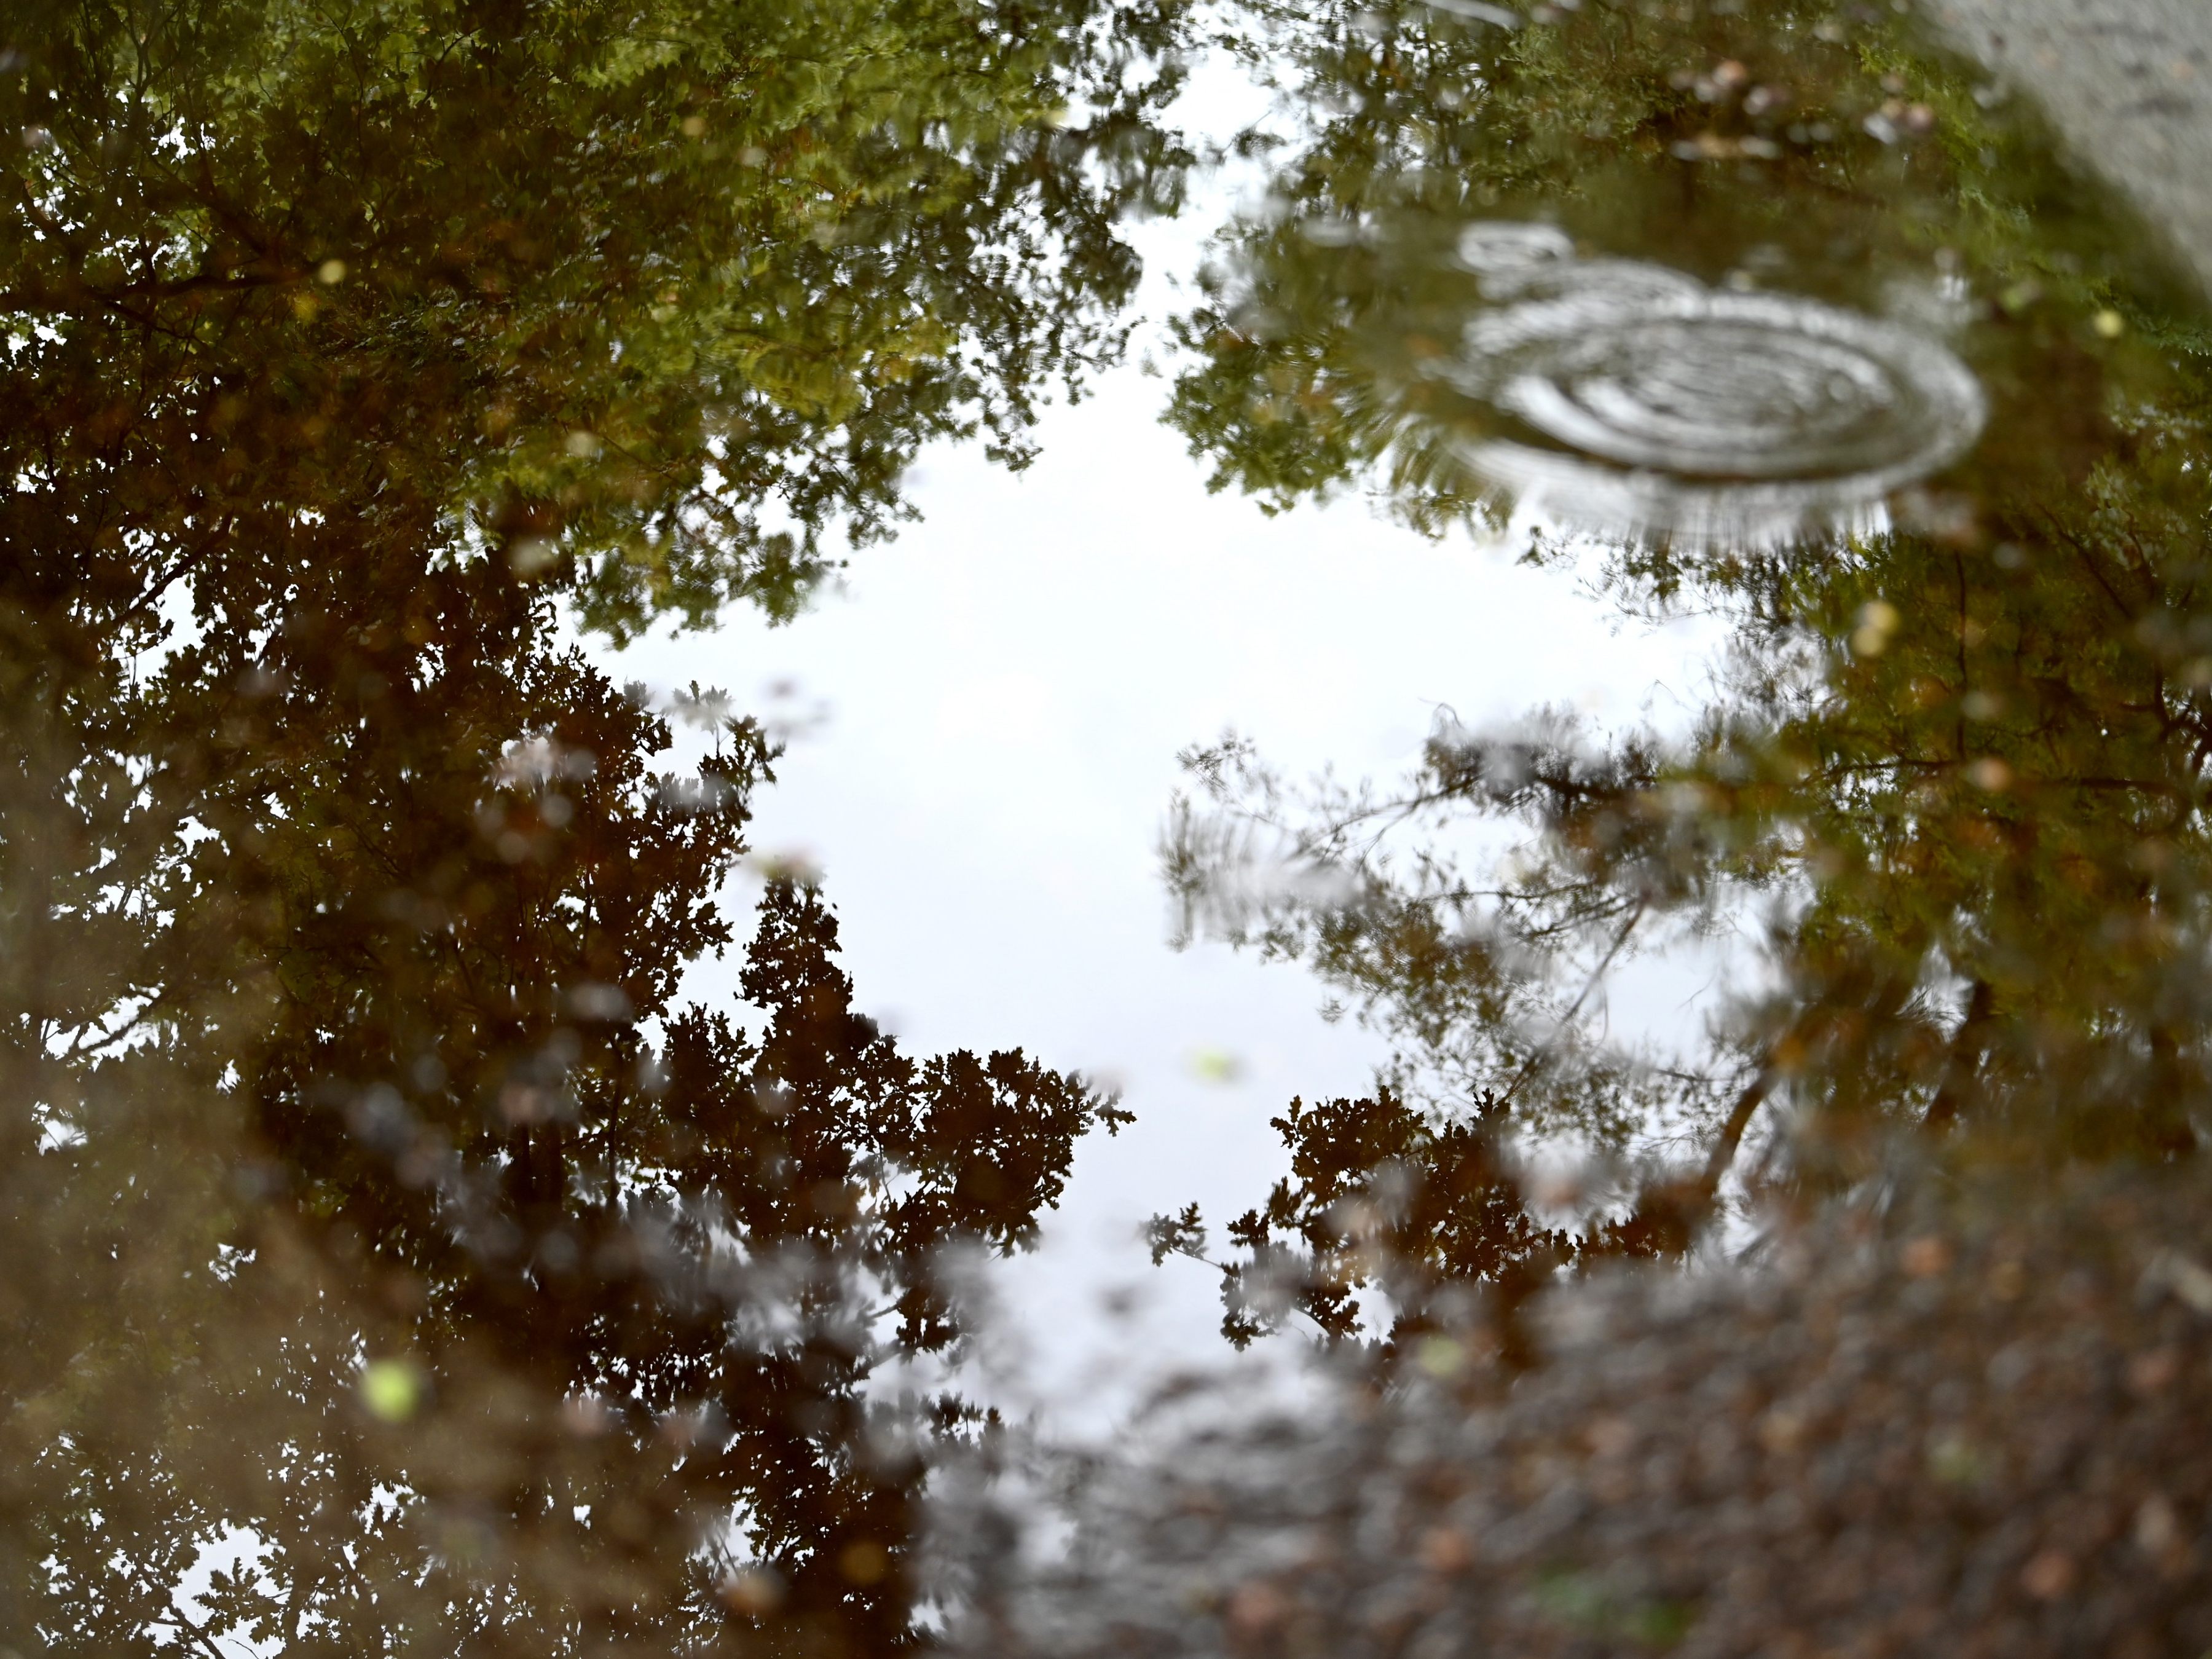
{"x": 1378, "y": 1195}
{"x": 1958, "y": 765}
{"x": 608, "y": 282}
{"x": 394, "y": 1100}
{"x": 369, "y": 1203}
{"x": 1726, "y": 143}
{"x": 633, "y": 1315}
{"x": 1980, "y": 1435}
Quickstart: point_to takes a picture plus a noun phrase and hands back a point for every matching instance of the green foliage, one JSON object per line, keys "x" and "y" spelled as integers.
{"x": 1820, "y": 148}
{"x": 368, "y": 1196}
{"x": 645, "y": 301}
{"x": 1949, "y": 784}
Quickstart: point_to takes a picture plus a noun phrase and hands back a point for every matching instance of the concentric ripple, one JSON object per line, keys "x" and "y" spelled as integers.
{"x": 1652, "y": 402}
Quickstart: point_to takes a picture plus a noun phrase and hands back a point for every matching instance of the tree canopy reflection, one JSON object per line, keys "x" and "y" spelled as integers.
{"x": 1949, "y": 784}
{"x": 660, "y": 294}
{"x": 396, "y": 1264}
{"x": 1927, "y": 1383}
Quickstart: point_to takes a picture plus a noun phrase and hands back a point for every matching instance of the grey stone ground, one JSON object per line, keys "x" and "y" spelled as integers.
{"x": 2127, "y": 83}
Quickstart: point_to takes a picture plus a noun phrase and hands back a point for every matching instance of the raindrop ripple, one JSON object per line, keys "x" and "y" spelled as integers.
{"x": 1652, "y": 402}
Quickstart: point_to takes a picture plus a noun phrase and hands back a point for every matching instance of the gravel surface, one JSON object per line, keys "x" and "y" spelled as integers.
{"x": 1974, "y": 1432}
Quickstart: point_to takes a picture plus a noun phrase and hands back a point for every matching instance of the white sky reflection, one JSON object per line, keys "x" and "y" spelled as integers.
{"x": 997, "y": 698}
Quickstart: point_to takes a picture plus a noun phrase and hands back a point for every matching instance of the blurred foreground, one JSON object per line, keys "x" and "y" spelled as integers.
{"x": 1968, "y": 1420}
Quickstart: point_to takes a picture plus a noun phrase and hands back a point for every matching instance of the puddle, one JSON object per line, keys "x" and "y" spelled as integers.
{"x": 456, "y": 1193}
{"x": 1663, "y": 406}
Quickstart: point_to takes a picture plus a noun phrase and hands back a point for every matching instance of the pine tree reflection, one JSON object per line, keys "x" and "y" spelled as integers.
{"x": 1950, "y": 781}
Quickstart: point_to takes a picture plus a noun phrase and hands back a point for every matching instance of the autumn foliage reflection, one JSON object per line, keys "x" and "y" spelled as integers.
{"x": 396, "y": 1263}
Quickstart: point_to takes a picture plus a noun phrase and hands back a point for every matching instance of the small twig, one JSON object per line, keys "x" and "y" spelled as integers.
{"x": 1529, "y": 1067}
{"x": 1731, "y": 1136}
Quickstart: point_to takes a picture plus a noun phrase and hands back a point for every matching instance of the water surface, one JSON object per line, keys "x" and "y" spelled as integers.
{"x": 462, "y": 1192}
